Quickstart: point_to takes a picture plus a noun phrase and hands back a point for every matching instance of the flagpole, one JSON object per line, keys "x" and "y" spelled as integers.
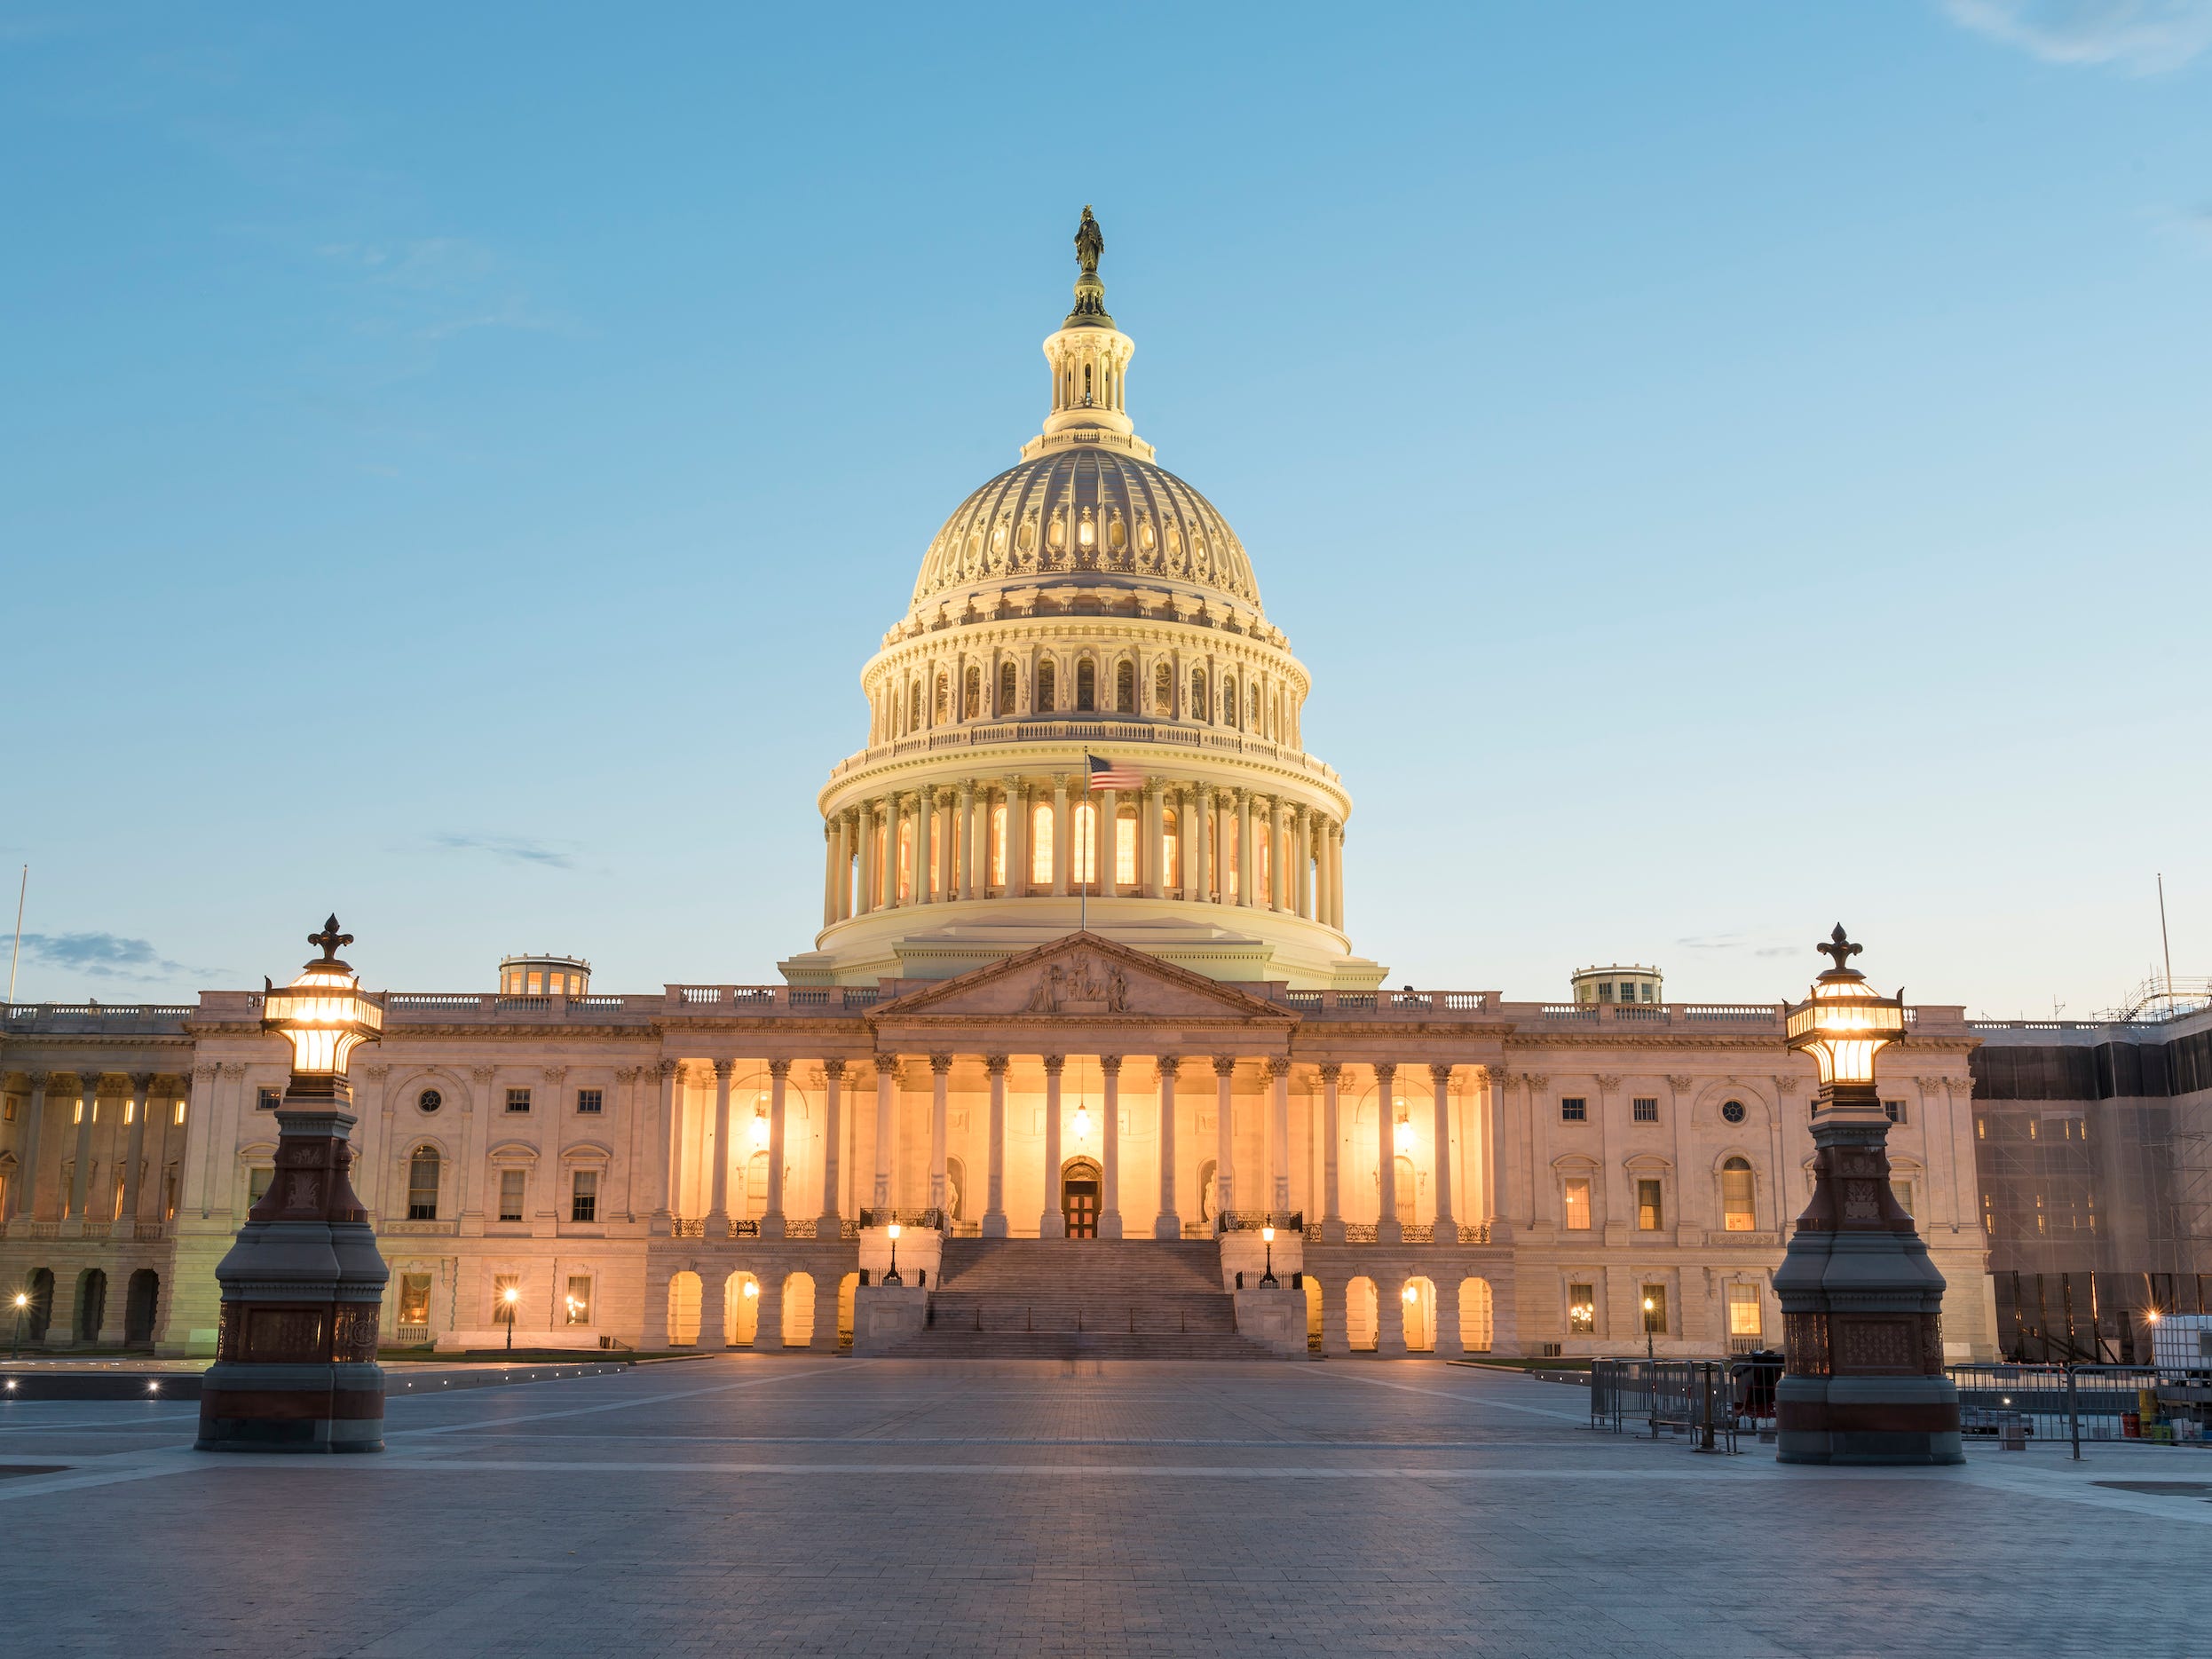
{"x": 1082, "y": 888}
{"x": 24, "y": 887}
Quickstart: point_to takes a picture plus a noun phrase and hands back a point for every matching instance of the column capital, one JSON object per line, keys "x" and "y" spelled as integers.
{"x": 1681, "y": 1086}
{"x": 38, "y": 1078}
{"x": 1110, "y": 1064}
{"x": 1167, "y": 1065}
{"x": 1608, "y": 1081}
{"x": 670, "y": 1068}
{"x": 1439, "y": 1071}
{"x": 940, "y": 1063}
{"x": 1279, "y": 1065}
{"x": 1052, "y": 1064}
{"x": 833, "y": 1068}
{"x": 88, "y": 1082}
{"x": 724, "y": 1069}
{"x": 968, "y": 788}
{"x": 1224, "y": 1064}
{"x": 1330, "y": 1070}
{"x": 1385, "y": 1073}
{"x": 995, "y": 1064}
{"x": 779, "y": 1069}
{"x": 140, "y": 1082}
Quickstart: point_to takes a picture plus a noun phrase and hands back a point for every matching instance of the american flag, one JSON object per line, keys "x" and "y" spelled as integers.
{"x": 1107, "y": 774}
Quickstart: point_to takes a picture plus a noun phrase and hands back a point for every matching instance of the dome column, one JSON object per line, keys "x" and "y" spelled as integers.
{"x": 995, "y": 1192}
{"x": 1278, "y": 866}
{"x": 1155, "y": 872}
{"x": 968, "y": 861}
{"x": 1169, "y": 1225}
{"x": 1051, "y": 1223}
{"x": 1059, "y": 838}
{"x": 1200, "y": 887}
{"x": 925, "y": 849}
{"x": 1109, "y": 1145}
{"x": 829, "y": 872}
{"x": 1017, "y": 837}
{"x": 1246, "y": 864}
{"x": 1106, "y": 844}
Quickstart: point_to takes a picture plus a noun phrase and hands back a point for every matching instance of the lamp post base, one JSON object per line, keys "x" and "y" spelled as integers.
{"x": 291, "y": 1408}
{"x": 1865, "y": 1420}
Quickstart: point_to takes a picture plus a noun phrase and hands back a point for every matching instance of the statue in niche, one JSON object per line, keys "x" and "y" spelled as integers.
{"x": 1090, "y": 242}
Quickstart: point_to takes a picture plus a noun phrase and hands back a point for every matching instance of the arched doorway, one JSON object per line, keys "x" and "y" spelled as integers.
{"x": 1418, "y": 1300}
{"x": 1362, "y": 1329}
{"x": 683, "y": 1310}
{"x": 1474, "y": 1316}
{"x": 799, "y": 1310}
{"x": 1081, "y": 1184}
{"x": 846, "y": 1286}
{"x": 139, "y": 1308}
{"x": 1312, "y": 1314}
{"x": 38, "y": 1314}
{"x": 91, "y": 1305}
{"x": 740, "y": 1310}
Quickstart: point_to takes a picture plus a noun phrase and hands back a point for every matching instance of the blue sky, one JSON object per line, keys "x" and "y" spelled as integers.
{"x": 1728, "y": 467}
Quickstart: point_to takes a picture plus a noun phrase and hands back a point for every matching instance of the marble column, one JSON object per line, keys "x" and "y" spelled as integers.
{"x": 718, "y": 1200}
{"x": 1110, "y": 1142}
{"x": 1052, "y": 1223}
{"x": 1155, "y": 871}
{"x": 1017, "y": 837}
{"x": 1279, "y": 1113}
{"x": 1387, "y": 1218}
{"x": 1302, "y": 865}
{"x": 940, "y": 1070}
{"x": 829, "y": 872}
{"x": 1278, "y": 865}
{"x": 1447, "y": 1227}
{"x": 1224, "y": 1137}
{"x": 967, "y": 855}
{"x": 830, "y": 1224}
{"x": 779, "y": 1145}
{"x": 23, "y": 1190}
{"x": 1247, "y": 866}
{"x": 885, "y": 1106}
{"x": 1335, "y": 877}
{"x": 1169, "y": 1224}
{"x": 1332, "y": 1146}
{"x": 88, "y": 1108}
{"x": 1202, "y": 845}
{"x": 995, "y": 1191}
{"x": 134, "y": 1155}
{"x": 1059, "y": 835}
{"x": 925, "y": 845}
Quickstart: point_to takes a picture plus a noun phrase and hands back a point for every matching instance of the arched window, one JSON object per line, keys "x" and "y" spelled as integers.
{"x": 997, "y": 862}
{"x": 1084, "y": 847}
{"x": 1228, "y": 702}
{"x": 914, "y": 705}
{"x": 1230, "y": 876}
{"x": 1007, "y": 684}
{"x": 1171, "y": 849}
{"x": 422, "y": 1185}
{"x": 944, "y": 698}
{"x": 1736, "y": 1194}
{"x": 903, "y": 867}
{"x": 1409, "y": 1187}
{"x": 1086, "y": 685}
{"x": 972, "y": 698}
{"x": 1263, "y": 865}
{"x": 1126, "y": 846}
{"x": 756, "y": 1184}
{"x": 1126, "y": 688}
{"x": 1199, "y": 706}
{"x": 1040, "y": 845}
{"x": 1163, "y": 690}
{"x": 1252, "y": 704}
{"x": 1047, "y": 682}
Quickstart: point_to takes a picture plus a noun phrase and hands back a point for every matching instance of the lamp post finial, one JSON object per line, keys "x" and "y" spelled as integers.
{"x": 331, "y": 938}
{"x": 1839, "y": 947}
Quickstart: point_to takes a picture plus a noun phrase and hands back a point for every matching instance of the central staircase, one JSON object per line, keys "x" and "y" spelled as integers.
{"x": 1079, "y": 1299}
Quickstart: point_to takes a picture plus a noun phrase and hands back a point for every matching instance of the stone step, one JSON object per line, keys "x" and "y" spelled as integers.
{"x": 953, "y": 1345}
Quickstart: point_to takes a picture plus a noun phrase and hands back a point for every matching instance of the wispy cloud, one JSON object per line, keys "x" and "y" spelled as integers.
{"x": 429, "y": 288}
{"x": 2142, "y": 36}
{"x": 510, "y": 848}
{"x": 1735, "y": 942}
{"x": 106, "y": 956}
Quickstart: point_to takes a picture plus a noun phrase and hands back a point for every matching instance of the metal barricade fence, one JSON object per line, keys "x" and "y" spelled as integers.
{"x": 2068, "y": 1404}
{"x": 1695, "y": 1396}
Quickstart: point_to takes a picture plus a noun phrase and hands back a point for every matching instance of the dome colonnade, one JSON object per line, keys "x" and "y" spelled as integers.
{"x": 1085, "y": 601}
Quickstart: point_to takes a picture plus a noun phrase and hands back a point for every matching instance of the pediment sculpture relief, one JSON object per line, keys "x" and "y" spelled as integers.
{"x": 1081, "y": 986}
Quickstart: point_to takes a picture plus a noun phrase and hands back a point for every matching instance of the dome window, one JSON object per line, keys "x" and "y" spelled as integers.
{"x": 1145, "y": 537}
{"x": 998, "y": 539}
{"x": 1126, "y": 688}
{"x": 1029, "y": 535}
{"x": 1005, "y": 688}
{"x": 1056, "y": 537}
{"x": 914, "y": 705}
{"x": 1085, "y": 686}
{"x": 1116, "y": 534}
{"x": 1084, "y": 535}
{"x": 972, "y": 696}
{"x": 1198, "y": 704}
{"x": 942, "y": 704}
{"x": 1046, "y": 675}
{"x": 1163, "y": 690}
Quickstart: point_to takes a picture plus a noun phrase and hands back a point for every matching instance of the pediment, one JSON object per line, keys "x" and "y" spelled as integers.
{"x": 1084, "y": 976}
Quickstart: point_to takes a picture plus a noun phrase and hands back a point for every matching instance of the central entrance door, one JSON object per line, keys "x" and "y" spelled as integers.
{"x": 1079, "y": 1198}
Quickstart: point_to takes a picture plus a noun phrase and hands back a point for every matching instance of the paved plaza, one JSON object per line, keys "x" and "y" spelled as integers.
{"x": 790, "y": 1506}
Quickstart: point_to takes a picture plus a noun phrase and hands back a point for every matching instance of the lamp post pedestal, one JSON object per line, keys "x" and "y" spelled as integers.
{"x": 303, "y": 1287}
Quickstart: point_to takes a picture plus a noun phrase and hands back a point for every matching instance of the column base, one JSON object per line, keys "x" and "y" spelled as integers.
{"x": 1332, "y": 1230}
{"x": 716, "y": 1225}
{"x": 830, "y": 1226}
{"x": 1109, "y": 1224}
{"x": 772, "y": 1226}
{"x": 1168, "y": 1228}
{"x": 1389, "y": 1233}
{"x": 1053, "y": 1225}
{"x": 1445, "y": 1234}
{"x": 994, "y": 1224}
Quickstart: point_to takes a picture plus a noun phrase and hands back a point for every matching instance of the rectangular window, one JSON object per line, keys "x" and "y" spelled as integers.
{"x": 1651, "y": 991}
{"x": 1649, "y": 1216}
{"x": 537, "y": 981}
{"x": 510, "y": 1182}
{"x": 1574, "y": 1109}
{"x": 1578, "y": 1204}
{"x": 415, "y": 1299}
{"x": 1744, "y": 1314}
{"x": 517, "y": 1100}
{"x": 257, "y": 1179}
{"x": 1126, "y": 846}
{"x": 1656, "y": 1309}
{"x": 589, "y": 1101}
{"x": 1904, "y": 1191}
{"x": 180, "y": 1112}
{"x": 1894, "y": 1110}
{"x": 1040, "y": 845}
{"x": 1646, "y": 1109}
{"x": 584, "y": 1196}
{"x": 503, "y": 1306}
{"x": 7, "y": 1113}
{"x": 1737, "y": 1192}
{"x": 1581, "y": 1309}
{"x": 268, "y": 1099}
{"x": 558, "y": 984}
{"x": 577, "y": 1305}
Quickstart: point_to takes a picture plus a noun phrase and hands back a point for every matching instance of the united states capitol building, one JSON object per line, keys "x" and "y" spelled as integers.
{"x": 1083, "y": 1017}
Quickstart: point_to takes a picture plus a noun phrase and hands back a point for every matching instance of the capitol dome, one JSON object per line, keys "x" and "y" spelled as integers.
{"x": 1084, "y": 720}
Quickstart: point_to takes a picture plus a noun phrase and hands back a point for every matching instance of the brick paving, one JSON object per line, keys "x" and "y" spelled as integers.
{"x": 760, "y": 1504}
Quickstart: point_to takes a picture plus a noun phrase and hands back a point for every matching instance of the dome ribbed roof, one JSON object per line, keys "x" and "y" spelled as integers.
{"x": 1029, "y": 523}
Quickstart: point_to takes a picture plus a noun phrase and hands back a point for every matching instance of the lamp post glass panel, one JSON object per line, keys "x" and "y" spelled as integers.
{"x": 303, "y": 1285}
{"x": 513, "y": 1299}
{"x": 1863, "y": 1379}
{"x": 1650, "y": 1307}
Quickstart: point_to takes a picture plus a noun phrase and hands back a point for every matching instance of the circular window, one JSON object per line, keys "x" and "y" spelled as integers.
{"x": 1733, "y": 1111}
{"x": 429, "y": 1100}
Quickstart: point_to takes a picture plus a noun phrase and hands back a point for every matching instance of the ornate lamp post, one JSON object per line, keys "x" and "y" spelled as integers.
{"x": 892, "y": 1276}
{"x": 1267, "y": 1280}
{"x": 22, "y": 1302}
{"x": 513, "y": 1300}
{"x": 1651, "y": 1354}
{"x": 1861, "y": 1304}
{"x": 295, "y": 1361}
